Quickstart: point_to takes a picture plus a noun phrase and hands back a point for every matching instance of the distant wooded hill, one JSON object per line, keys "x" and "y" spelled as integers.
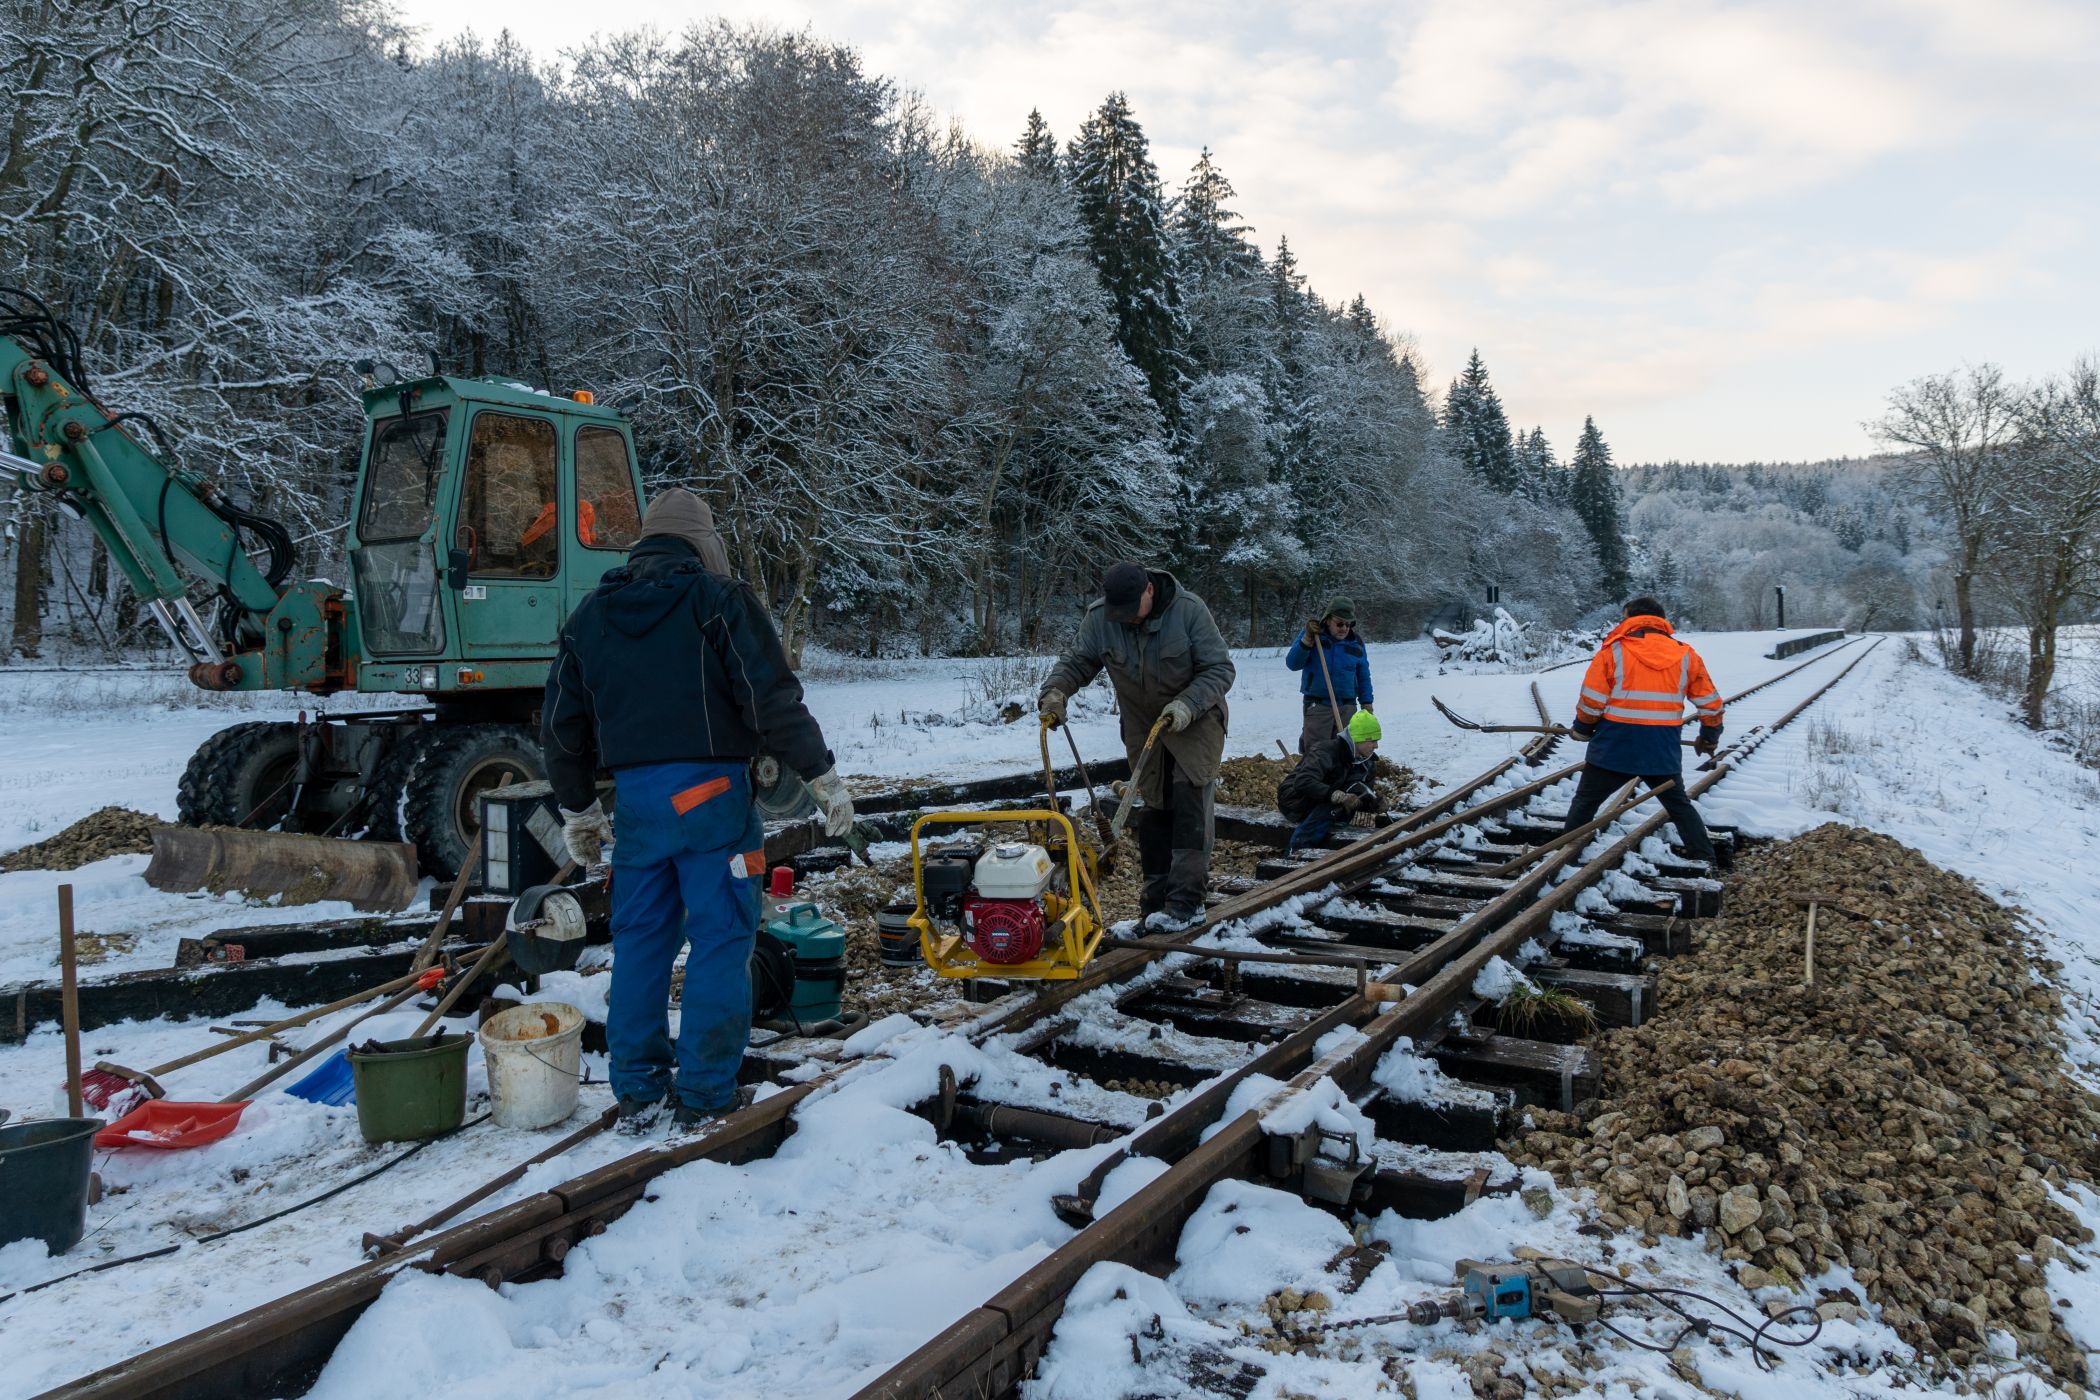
{"x": 1852, "y": 548}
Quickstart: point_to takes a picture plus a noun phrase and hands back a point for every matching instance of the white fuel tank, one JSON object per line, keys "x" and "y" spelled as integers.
{"x": 1012, "y": 870}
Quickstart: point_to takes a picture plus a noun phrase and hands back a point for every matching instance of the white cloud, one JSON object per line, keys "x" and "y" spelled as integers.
{"x": 1661, "y": 212}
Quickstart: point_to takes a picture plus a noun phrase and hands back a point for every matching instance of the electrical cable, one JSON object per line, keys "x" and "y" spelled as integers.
{"x": 1755, "y": 1335}
{"x": 217, "y": 1235}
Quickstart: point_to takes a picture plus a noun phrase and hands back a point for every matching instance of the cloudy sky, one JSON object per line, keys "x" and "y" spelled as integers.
{"x": 1726, "y": 230}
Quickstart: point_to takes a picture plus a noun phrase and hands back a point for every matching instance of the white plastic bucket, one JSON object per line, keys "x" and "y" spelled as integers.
{"x": 533, "y": 1071}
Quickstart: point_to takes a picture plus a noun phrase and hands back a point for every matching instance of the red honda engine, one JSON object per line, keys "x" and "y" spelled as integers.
{"x": 1004, "y": 930}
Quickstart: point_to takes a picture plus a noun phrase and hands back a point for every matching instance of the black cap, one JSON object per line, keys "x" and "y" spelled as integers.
{"x": 1123, "y": 589}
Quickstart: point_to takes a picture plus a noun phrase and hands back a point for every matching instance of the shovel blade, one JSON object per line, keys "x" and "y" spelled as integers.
{"x": 373, "y": 876}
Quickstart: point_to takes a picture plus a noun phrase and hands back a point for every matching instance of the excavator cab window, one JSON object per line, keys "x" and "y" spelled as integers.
{"x": 511, "y": 503}
{"x": 607, "y": 514}
{"x": 401, "y": 482}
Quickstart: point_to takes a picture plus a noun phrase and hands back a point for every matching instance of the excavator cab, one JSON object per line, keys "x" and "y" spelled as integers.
{"x": 485, "y": 513}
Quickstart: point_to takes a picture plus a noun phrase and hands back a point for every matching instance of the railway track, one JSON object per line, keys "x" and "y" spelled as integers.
{"x": 1314, "y": 970}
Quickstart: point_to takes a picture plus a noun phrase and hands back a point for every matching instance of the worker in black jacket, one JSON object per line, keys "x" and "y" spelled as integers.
{"x": 1332, "y": 783}
{"x": 672, "y": 676}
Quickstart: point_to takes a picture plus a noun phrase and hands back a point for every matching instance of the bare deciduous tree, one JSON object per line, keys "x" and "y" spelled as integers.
{"x": 1960, "y": 429}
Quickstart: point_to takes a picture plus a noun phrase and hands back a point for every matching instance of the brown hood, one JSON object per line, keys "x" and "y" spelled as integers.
{"x": 682, "y": 515}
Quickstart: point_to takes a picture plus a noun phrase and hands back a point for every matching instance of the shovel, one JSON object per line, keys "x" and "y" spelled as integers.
{"x": 1130, "y": 790}
{"x": 102, "y": 1084}
{"x": 373, "y": 876}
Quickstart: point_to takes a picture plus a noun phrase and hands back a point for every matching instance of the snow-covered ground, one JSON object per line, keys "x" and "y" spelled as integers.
{"x": 809, "y": 1272}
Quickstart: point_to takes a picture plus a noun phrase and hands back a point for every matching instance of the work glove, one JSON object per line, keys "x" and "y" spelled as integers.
{"x": 586, "y": 833}
{"x": 1584, "y": 732}
{"x": 1709, "y": 739}
{"x": 1346, "y": 800}
{"x": 1178, "y": 714}
{"x": 1314, "y": 629}
{"x": 1051, "y": 707}
{"x": 837, "y": 804}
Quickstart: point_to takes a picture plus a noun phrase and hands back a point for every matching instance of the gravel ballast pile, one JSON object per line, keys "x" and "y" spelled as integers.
{"x": 1252, "y": 781}
{"x": 112, "y": 831}
{"x": 1906, "y": 1115}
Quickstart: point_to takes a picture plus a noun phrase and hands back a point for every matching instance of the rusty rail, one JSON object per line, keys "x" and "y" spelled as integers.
{"x": 280, "y": 1346}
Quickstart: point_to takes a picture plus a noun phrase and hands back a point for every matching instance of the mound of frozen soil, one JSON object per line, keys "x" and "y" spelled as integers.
{"x": 1906, "y": 1115}
{"x": 1251, "y": 781}
{"x": 113, "y": 831}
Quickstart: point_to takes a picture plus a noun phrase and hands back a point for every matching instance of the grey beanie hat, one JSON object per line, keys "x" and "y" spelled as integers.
{"x": 682, "y": 515}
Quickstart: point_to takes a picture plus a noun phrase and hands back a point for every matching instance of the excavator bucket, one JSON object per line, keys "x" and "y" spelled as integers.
{"x": 374, "y": 876}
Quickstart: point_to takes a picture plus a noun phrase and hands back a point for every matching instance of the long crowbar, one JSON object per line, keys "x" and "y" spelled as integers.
{"x": 1093, "y": 801}
{"x": 1334, "y": 710}
{"x": 1560, "y": 731}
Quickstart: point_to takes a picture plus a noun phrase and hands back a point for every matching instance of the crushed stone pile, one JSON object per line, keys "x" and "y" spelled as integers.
{"x": 1906, "y": 1115}
{"x": 112, "y": 831}
{"x": 1251, "y": 781}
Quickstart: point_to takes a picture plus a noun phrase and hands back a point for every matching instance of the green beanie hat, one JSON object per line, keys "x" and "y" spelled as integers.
{"x": 1364, "y": 725}
{"x": 1340, "y": 607}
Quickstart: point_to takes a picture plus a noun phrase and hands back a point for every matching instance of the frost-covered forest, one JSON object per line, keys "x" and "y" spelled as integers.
{"x": 1852, "y": 546}
{"x": 931, "y": 379}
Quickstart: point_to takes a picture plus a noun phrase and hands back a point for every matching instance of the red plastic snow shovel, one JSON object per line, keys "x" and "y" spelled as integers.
{"x": 167, "y": 1123}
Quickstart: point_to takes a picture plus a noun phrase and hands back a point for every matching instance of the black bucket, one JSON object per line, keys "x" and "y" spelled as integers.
{"x": 897, "y": 940}
{"x": 44, "y": 1180}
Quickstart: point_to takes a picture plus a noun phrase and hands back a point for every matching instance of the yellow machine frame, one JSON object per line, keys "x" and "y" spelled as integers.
{"x": 1067, "y": 946}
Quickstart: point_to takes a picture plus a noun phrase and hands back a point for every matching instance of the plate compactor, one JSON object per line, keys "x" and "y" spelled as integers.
{"x": 1015, "y": 909}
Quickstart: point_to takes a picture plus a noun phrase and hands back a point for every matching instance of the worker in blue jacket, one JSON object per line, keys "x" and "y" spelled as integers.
{"x": 1332, "y": 637}
{"x": 672, "y": 677}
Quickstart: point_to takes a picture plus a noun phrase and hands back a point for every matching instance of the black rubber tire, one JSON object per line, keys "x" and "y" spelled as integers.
{"x": 457, "y": 763}
{"x": 386, "y": 798}
{"x": 240, "y": 777}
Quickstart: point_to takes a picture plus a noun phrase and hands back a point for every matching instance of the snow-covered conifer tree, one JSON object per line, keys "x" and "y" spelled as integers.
{"x": 1478, "y": 429}
{"x": 1109, "y": 165}
{"x": 1594, "y": 493}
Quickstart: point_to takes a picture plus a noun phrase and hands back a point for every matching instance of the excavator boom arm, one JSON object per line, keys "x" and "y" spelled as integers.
{"x": 162, "y": 524}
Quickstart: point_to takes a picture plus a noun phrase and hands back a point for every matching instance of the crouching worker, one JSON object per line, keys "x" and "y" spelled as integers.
{"x": 1333, "y": 783}
{"x": 1166, "y": 659}
{"x": 671, "y": 675}
{"x": 1632, "y": 716}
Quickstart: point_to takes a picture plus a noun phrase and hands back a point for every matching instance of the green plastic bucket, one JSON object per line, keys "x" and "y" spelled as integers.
{"x": 412, "y": 1089}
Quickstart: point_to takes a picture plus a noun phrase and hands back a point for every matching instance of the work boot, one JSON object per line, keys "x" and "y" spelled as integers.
{"x": 637, "y": 1116}
{"x": 1170, "y": 920}
{"x": 686, "y": 1117}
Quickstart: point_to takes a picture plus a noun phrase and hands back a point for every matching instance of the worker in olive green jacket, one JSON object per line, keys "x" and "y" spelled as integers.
{"x": 1165, "y": 657}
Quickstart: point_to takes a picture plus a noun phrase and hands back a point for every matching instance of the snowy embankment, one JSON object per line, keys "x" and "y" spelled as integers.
{"x": 805, "y": 1273}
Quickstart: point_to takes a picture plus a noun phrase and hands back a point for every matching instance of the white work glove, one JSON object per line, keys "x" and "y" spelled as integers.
{"x": 1052, "y": 707}
{"x": 1179, "y": 714}
{"x": 1347, "y": 801}
{"x": 585, "y": 833}
{"x": 830, "y": 791}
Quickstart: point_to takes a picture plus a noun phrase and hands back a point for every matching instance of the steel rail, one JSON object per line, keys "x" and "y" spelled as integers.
{"x": 279, "y": 1346}
{"x": 995, "y": 1346}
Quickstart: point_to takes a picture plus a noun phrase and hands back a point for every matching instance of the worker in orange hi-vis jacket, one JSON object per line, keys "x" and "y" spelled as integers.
{"x": 1632, "y": 713}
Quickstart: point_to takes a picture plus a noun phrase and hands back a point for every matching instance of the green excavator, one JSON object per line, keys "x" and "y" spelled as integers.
{"x": 482, "y": 513}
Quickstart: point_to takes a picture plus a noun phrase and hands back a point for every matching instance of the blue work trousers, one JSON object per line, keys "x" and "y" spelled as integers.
{"x": 687, "y": 857}
{"x": 1314, "y": 829}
